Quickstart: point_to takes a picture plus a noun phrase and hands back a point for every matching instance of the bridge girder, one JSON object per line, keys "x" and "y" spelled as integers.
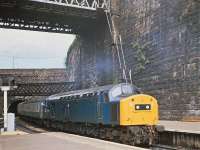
{"x": 19, "y": 23}
{"x": 83, "y": 4}
{"x": 46, "y": 17}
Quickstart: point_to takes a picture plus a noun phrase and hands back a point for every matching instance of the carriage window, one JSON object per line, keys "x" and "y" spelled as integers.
{"x": 53, "y": 109}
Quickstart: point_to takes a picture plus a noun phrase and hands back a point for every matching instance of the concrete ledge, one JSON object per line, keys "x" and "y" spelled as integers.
{"x": 179, "y": 126}
{"x": 13, "y": 133}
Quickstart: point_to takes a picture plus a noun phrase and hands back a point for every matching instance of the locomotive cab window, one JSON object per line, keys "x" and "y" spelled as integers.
{"x": 121, "y": 90}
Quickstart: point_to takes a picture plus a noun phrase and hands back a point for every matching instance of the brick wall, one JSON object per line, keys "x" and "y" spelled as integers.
{"x": 168, "y": 33}
{"x": 89, "y": 60}
{"x": 35, "y": 75}
{"x": 161, "y": 41}
{"x": 32, "y": 76}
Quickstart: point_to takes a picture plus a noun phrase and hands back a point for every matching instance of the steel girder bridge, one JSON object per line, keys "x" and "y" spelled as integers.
{"x": 59, "y": 16}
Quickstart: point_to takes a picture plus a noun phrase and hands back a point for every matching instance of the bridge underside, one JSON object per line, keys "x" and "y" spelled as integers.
{"x": 47, "y": 17}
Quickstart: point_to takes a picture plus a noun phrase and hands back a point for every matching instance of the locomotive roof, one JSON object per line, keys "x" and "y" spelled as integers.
{"x": 94, "y": 90}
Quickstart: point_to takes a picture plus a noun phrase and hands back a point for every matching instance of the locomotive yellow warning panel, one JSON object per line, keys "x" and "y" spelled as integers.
{"x": 139, "y": 109}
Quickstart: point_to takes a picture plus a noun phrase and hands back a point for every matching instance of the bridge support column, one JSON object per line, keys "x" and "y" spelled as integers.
{"x": 115, "y": 17}
{"x": 5, "y": 90}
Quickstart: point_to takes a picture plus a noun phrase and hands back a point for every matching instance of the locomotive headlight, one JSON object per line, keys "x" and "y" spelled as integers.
{"x": 137, "y": 107}
{"x": 147, "y": 106}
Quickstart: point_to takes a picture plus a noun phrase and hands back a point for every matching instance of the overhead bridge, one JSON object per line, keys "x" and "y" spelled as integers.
{"x": 82, "y": 4}
{"x": 59, "y": 16}
{"x": 41, "y": 89}
{"x": 35, "y": 82}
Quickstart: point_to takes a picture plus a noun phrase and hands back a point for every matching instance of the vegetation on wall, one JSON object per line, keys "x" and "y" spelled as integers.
{"x": 140, "y": 56}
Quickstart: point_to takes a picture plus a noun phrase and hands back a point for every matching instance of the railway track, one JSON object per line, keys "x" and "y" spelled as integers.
{"x": 28, "y": 127}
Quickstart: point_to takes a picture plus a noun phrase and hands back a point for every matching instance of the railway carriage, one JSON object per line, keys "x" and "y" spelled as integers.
{"x": 118, "y": 112}
{"x": 32, "y": 109}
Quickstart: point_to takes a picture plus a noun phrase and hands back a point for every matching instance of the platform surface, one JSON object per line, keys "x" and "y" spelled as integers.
{"x": 58, "y": 141}
{"x": 179, "y": 126}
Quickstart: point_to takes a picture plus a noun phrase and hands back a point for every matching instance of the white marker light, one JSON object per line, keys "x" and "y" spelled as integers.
{"x": 137, "y": 107}
{"x": 147, "y": 107}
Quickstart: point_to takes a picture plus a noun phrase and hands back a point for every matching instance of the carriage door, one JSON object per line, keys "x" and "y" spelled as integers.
{"x": 52, "y": 110}
{"x": 67, "y": 112}
{"x": 99, "y": 106}
{"x": 41, "y": 109}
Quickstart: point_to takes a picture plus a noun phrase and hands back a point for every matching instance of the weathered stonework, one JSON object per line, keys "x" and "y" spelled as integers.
{"x": 167, "y": 33}
{"x": 89, "y": 60}
{"x": 32, "y": 76}
{"x": 171, "y": 35}
{"x": 73, "y": 61}
{"x": 35, "y": 75}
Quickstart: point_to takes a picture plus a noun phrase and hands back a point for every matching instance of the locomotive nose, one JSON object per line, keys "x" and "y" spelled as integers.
{"x": 139, "y": 110}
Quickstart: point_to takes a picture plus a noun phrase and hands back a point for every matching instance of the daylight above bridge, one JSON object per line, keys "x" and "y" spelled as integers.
{"x": 59, "y": 16}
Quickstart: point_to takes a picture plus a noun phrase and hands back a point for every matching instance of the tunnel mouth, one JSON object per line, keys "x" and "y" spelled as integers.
{"x": 13, "y": 107}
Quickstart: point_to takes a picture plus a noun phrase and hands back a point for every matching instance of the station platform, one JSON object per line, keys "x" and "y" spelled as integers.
{"x": 180, "y": 134}
{"x": 59, "y": 141}
{"x": 180, "y": 126}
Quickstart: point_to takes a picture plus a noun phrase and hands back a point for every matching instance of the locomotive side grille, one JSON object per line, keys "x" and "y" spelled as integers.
{"x": 114, "y": 112}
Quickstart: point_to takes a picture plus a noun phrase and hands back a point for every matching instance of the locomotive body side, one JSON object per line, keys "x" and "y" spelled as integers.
{"x": 109, "y": 112}
{"x": 73, "y": 109}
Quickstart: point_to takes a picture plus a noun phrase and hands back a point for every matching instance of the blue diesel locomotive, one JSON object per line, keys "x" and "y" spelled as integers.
{"x": 114, "y": 112}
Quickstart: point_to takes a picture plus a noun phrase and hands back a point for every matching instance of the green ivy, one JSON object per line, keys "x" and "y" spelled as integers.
{"x": 140, "y": 57}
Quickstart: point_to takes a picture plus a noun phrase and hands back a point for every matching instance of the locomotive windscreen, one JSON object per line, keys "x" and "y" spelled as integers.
{"x": 122, "y": 90}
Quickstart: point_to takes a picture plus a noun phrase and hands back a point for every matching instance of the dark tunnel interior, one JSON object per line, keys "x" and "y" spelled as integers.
{"x": 13, "y": 107}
